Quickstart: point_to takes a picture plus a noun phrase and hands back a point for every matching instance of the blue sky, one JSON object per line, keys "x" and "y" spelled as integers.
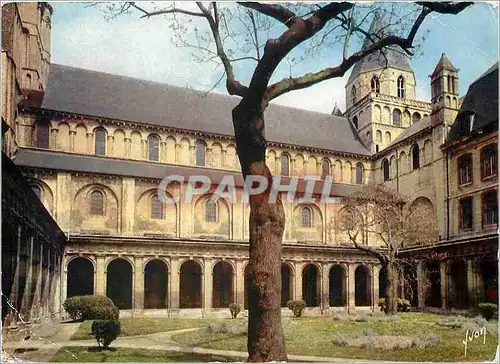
{"x": 141, "y": 48}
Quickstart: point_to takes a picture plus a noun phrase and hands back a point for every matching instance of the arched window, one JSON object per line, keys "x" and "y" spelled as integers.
{"x": 200, "y": 153}
{"x": 401, "y": 87}
{"x": 355, "y": 121}
{"x": 325, "y": 168}
{"x": 375, "y": 85}
{"x": 42, "y": 135}
{"x": 385, "y": 169}
{"x": 415, "y": 156}
{"x": 156, "y": 208}
{"x": 353, "y": 94}
{"x": 396, "y": 117}
{"x": 378, "y": 136}
{"x": 100, "y": 141}
{"x": 38, "y": 191}
{"x": 153, "y": 147}
{"x": 285, "y": 164}
{"x": 211, "y": 211}
{"x": 359, "y": 173}
{"x": 388, "y": 137}
{"x": 416, "y": 117}
{"x": 96, "y": 203}
{"x": 306, "y": 217}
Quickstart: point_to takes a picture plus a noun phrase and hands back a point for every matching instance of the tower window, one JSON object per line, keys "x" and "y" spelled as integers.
{"x": 465, "y": 169}
{"x": 211, "y": 211}
{"x": 353, "y": 94}
{"x": 100, "y": 141}
{"x": 306, "y": 217}
{"x": 97, "y": 203}
{"x": 200, "y": 153}
{"x": 375, "y": 85}
{"x": 396, "y": 117}
{"x": 42, "y": 135}
{"x": 153, "y": 148}
{"x": 401, "y": 87}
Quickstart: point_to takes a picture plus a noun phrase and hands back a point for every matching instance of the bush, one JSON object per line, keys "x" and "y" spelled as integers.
{"x": 224, "y": 328}
{"x": 487, "y": 310}
{"x": 381, "y": 304}
{"x": 367, "y": 317}
{"x": 402, "y": 305}
{"x": 297, "y": 307}
{"x": 235, "y": 309}
{"x": 105, "y": 331}
{"x": 82, "y": 308}
{"x": 387, "y": 341}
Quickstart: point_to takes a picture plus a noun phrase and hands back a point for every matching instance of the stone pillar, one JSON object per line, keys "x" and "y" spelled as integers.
{"x": 110, "y": 145}
{"x": 209, "y": 158}
{"x": 207, "y": 285}
{"x": 178, "y": 149}
{"x": 471, "y": 287}
{"x": 224, "y": 158}
{"x": 37, "y": 297}
{"x": 163, "y": 152}
{"x": 138, "y": 293}
{"x": 444, "y": 284}
{"x": 298, "y": 280}
{"x": 375, "y": 286}
{"x": 420, "y": 285}
{"x": 13, "y": 316}
{"x": 100, "y": 276}
{"x": 351, "y": 287}
{"x": 62, "y": 206}
{"x": 325, "y": 287}
{"x": 72, "y": 134}
{"x": 128, "y": 145}
{"x": 128, "y": 206}
{"x": 192, "y": 156}
{"x": 90, "y": 142}
{"x": 27, "y": 299}
{"x": 174, "y": 284}
{"x": 240, "y": 283}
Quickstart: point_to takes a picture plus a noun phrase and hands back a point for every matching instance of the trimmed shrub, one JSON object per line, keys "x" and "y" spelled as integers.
{"x": 387, "y": 341}
{"x": 381, "y": 304}
{"x": 235, "y": 309}
{"x": 225, "y": 328}
{"x": 402, "y": 305}
{"x": 487, "y": 310}
{"x": 82, "y": 308}
{"x": 297, "y": 307}
{"x": 105, "y": 331}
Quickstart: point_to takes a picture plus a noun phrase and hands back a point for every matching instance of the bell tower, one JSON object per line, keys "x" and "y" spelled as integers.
{"x": 444, "y": 92}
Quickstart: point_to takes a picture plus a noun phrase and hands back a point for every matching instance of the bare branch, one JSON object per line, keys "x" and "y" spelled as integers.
{"x": 276, "y": 11}
{"x": 445, "y": 7}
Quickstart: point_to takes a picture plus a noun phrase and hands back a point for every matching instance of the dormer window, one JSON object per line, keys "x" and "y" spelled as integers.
{"x": 471, "y": 121}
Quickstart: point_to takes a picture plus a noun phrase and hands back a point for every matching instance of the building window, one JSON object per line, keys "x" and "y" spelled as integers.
{"x": 325, "y": 168}
{"x": 359, "y": 173}
{"x": 306, "y": 217}
{"x": 489, "y": 161}
{"x": 466, "y": 213}
{"x": 100, "y": 142}
{"x": 416, "y": 118}
{"x": 353, "y": 94}
{"x": 97, "y": 203}
{"x": 42, "y": 135}
{"x": 285, "y": 164}
{"x": 401, "y": 87}
{"x": 377, "y": 148}
{"x": 465, "y": 169}
{"x": 396, "y": 117}
{"x": 156, "y": 208}
{"x": 385, "y": 169}
{"x": 415, "y": 156}
{"x": 355, "y": 121}
{"x": 153, "y": 148}
{"x": 490, "y": 208}
{"x": 38, "y": 192}
{"x": 375, "y": 85}
{"x": 200, "y": 153}
{"x": 211, "y": 211}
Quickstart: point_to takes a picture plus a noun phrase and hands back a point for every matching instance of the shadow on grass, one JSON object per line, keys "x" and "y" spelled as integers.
{"x": 100, "y": 349}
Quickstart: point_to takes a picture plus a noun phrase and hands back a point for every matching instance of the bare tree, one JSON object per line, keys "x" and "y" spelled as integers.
{"x": 268, "y": 34}
{"x": 384, "y": 217}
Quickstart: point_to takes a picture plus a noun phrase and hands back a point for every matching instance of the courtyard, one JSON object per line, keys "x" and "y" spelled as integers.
{"x": 334, "y": 337}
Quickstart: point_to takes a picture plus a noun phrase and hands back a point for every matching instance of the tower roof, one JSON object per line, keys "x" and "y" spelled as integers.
{"x": 391, "y": 56}
{"x": 336, "y": 110}
{"x": 444, "y": 64}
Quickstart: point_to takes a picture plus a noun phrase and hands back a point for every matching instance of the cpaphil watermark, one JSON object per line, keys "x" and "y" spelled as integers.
{"x": 474, "y": 334}
{"x": 253, "y": 185}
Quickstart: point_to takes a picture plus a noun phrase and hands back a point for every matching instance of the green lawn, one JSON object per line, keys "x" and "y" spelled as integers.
{"x": 313, "y": 336}
{"x": 132, "y": 326}
{"x": 83, "y": 354}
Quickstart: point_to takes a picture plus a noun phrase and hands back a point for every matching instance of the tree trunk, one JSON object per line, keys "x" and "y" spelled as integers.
{"x": 391, "y": 295}
{"x": 266, "y": 341}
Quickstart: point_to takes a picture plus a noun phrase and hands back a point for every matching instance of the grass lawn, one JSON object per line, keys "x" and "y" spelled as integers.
{"x": 132, "y": 326}
{"x": 313, "y": 336}
{"x": 84, "y": 354}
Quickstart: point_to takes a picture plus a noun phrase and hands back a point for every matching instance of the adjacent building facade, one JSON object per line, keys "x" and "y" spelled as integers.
{"x": 96, "y": 146}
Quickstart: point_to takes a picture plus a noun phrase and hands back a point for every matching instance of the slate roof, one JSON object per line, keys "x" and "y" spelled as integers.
{"x": 481, "y": 100}
{"x": 444, "y": 64}
{"x": 336, "y": 110}
{"x": 86, "y": 92}
{"x": 394, "y": 56}
{"x": 46, "y": 159}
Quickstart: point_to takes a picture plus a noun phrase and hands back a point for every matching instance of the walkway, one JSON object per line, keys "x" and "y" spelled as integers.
{"x": 157, "y": 341}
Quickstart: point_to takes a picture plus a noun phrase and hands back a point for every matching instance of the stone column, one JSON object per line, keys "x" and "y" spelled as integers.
{"x": 375, "y": 286}
{"x": 208, "y": 285}
{"x": 325, "y": 287}
{"x": 174, "y": 284}
{"x": 128, "y": 145}
{"x": 163, "y": 152}
{"x": 192, "y": 156}
{"x": 110, "y": 145}
{"x": 480, "y": 293}
{"x": 37, "y": 297}
{"x": 90, "y": 140}
{"x": 471, "y": 287}
{"x": 138, "y": 293}
{"x": 128, "y": 206}
{"x": 54, "y": 131}
{"x": 209, "y": 157}
{"x": 72, "y": 134}
{"x": 351, "y": 284}
{"x": 444, "y": 284}
{"x": 178, "y": 150}
{"x": 240, "y": 283}
{"x": 27, "y": 299}
{"x": 224, "y": 158}
{"x": 100, "y": 276}
{"x": 420, "y": 285}
{"x": 298, "y": 280}
{"x": 12, "y": 319}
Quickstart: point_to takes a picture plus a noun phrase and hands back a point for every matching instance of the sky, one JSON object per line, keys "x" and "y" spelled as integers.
{"x": 142, "y": 48}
